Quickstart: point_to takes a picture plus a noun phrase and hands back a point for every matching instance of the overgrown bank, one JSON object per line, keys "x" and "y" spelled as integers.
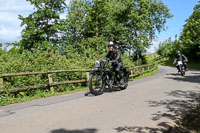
{"x": 36, "y": 61}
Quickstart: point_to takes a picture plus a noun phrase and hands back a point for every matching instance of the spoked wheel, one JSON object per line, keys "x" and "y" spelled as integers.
{"x": 125, "y": 82}
{"x": 96, "y": 84}
{"x": 182, "y": 72}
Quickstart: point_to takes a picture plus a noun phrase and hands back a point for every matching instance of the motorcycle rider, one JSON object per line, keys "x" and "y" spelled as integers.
{"x": 181, "y": 57}
{"x": 114, "y": 57}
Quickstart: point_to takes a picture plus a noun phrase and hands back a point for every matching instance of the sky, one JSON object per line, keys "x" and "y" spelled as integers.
{"x": 181, "y": 10}
{"x": 10, "y": 29}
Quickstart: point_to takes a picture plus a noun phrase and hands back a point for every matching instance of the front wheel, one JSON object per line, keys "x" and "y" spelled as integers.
{"x": 96, "y": 84}
{"x": 182, "y": 72}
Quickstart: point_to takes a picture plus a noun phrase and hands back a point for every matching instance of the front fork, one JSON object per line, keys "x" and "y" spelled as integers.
{"x": 108, "y": 80}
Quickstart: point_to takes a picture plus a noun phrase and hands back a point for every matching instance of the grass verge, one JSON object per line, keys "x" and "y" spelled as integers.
{"x": 8, "y": 99}
{"x": 194, "y": 65}
{"x": 146, "y": 74}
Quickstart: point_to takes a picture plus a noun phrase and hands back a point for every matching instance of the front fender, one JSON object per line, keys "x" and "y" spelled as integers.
{"x": 95, "y": 71}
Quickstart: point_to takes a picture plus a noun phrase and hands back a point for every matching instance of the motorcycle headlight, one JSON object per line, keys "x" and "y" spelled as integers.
{"x": 97, "y": 64}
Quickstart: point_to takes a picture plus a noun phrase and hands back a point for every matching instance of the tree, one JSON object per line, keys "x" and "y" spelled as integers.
{"x": 144, "y": 19}
{"x": 41, "y": 27}
{"x": 130, "y": 24}
{"x": 168, "y": 48}
{"x": 190, "y": 39}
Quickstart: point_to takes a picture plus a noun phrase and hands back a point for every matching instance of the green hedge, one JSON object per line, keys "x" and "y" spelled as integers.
{"x": 36, "y": 61}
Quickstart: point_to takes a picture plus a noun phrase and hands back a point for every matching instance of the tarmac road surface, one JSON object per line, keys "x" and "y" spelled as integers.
{"x": 148, "y": 105}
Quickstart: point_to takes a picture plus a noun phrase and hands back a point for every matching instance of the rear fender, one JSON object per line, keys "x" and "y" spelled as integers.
{"x": 126, "y": 70}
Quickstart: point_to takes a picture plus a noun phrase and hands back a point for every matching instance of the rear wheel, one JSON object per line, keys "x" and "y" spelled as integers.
{"x": 96, "y": 84}
{"x": 125, "y": 82}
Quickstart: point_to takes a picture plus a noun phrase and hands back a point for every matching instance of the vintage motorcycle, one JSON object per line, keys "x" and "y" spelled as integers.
{"x": 104, "y": 77}
{"x": 181, "y": 68}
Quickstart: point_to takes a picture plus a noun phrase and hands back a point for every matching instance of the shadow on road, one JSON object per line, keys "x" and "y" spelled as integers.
{"x": 175, "y": 107}
{"x": 107, "y": 90}
{"x": 137, "y": 129}
{"x": 187, "y": 78}
{"x": 174, "y": 74}
{"x": 74, "y": 131}
{"x": 196, "y": 73}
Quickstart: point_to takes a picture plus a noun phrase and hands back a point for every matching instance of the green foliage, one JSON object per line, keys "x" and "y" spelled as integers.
{"x": 1, "y": 50}
{"x": 49, "y": 43}
{"x": 16, "y": 61}
{"x": 194, "y": 65}
{"x": 147, "y": 74}
{"x": 189, "y": 41}
{"x": 30, "y": 62}
{"x": 41, "y": 27}
{"x": 190, "y": 38}
{"x": 168, "y": 48}
{"x": 130, "y": 24}
{"x": 36, "y": 61}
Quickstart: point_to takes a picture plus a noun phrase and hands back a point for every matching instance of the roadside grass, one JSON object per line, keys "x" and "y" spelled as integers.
{"x": 169, "y": 62}
{"x": 11, "y": 98}
{"x": 148, "y": 74}
{"x": 190, "y": 65}
{"x": 194, "y": 65}
{"x": 164, "y": 61}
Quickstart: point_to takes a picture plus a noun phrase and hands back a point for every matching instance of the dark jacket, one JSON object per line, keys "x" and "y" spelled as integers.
{"x": 114, "y": 56}
{"x": 180, "y": 58}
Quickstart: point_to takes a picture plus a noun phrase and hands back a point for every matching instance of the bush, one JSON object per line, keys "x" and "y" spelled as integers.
{"x": 36, "y": 61}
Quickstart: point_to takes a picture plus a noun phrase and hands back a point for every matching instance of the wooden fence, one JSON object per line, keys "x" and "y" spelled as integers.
{"x": 135, "y": 71}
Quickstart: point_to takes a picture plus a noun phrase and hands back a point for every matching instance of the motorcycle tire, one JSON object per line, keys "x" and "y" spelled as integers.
{"x": 182, "y": 72}
{"x": 96, "y": 84}
{"x": 125, "y": 85}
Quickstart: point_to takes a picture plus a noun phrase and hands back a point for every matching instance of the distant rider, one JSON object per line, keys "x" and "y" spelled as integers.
{"x": 114, "y": 57}
{"x": 180, "y": 57}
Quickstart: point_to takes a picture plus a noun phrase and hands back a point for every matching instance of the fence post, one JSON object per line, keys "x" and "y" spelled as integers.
{"x": 87, "y": 77}
{"x": 1, "y": 83}
{"x": 131, "y": 74}
{"x": 148, "y": 68}
{"x": 154, "y": 66}
{"x": 143, "y": 70}
{"x": 50, "y": 81}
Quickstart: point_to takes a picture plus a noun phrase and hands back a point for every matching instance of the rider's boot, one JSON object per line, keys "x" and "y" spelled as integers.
{"x": 186, "y": 69}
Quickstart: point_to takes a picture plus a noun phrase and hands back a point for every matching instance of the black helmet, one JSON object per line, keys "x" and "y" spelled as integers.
{"x": 110, "y": 43}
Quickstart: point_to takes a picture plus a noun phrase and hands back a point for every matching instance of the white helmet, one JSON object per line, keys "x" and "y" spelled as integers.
{"x": 110, "y": 43}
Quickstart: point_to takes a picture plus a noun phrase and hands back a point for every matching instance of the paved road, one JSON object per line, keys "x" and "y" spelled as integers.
{"x": 148, "y": 105}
